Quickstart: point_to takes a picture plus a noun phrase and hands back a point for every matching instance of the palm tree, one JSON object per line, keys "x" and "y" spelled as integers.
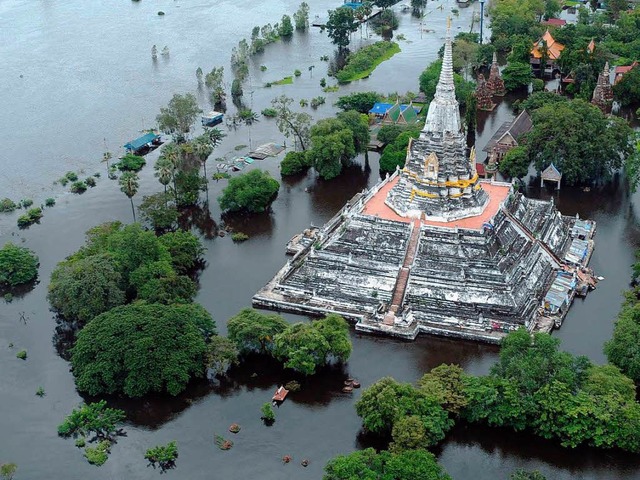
{"x": 202, "y": 148}
{"x": 164, "y": 172}
{"x": 360, "y": 15}
{"x": 171, "y": 153}
{"x": 367, "y": 9}
{"x": 129, "y": 186}
{"x": 106, "y": 156}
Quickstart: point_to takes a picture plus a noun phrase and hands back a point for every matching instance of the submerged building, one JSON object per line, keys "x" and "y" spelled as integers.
{"x": 434, "y": 249}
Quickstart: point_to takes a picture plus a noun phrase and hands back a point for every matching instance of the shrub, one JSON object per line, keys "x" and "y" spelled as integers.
{"x": 323, "y": 82}
{"x": 304, "y": 102}
{"x": 8, "y": 297}
{"x": 239, "y": 237}
{"x": 26, "y": 203}
{"x": 71, "y": 176}
{"x": 99, "y": 454}
{"x": 263, "y": 68}
{"x": 92, "y": 419}
{"x": 22, "y": 355}
{"x": 63, "y": 181}
{"x": 253, "y": 191}
{"x": 163, "y": 455}
{"x": 268, "y": 415}
{"x": 8, "y": 470}
{"x": 18, "y": 265}
{"x": 90, "y": 182}
{"x": 389, "y": 133}
{"x": 317, "y": 101}
{"x": 297, "y": 72}
{"x": 131, "y": 163}
{"x": 7, "y": 205}
{"x": 40, "y": 392}
{"x": 294, "y": 163}
{"x": 270, "y": 112}
{"x": 78, "y": 187}
{"x": 50, "y": 202}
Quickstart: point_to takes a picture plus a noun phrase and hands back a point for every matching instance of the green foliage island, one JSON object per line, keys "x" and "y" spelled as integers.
{"x": 252, "y": 192}
{"x": 18, "y": 265}
{"x": 361, "y": 63}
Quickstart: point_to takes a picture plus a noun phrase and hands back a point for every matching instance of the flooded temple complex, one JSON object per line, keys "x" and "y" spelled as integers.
{"x": 435, "y": 249}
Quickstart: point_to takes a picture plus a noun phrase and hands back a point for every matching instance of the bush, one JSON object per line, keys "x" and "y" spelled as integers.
{"x": 129, "y": 366}
{"x": 7, "y": 205}
{"x": 317, "y": 101}
{"x": 253, "y": 191}
{"x": 22, "y": 355}
{"x": 63, "y": 181}
{"x": 268, "y": 415}
{"x": 8, "y": 470}
{"x": 99, "y": 454}
{"x": 389, "y": 133}
{"x": 18, "y": 265}
{"x": 323, "y": 82}
{"x": 297, "y": 73}
{"x": 50, "y": 202}
{"x": 361, "y": 63}
{"x": 26, "y": 203}
{"x": 239, "y": 237}
{"x": 361, "y": 102}
{"x": 131, "y": 163}
{"x": 90, "y": 182}
{"x": 269, "y": 112}
{"x": 163, "y": 455}
{"x": 93, "y": 419}
{"x": 78, "y": 187}
{"x": 71, "y": 176}
{"x": 395, "y": 154}
{"x": 294, "y": 163}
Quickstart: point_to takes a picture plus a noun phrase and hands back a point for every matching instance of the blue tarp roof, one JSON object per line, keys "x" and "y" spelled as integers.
{"x": 140, "y": 142}
{"x": 380, "y": 108}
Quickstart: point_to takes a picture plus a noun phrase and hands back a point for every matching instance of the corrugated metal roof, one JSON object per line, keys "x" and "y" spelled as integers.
{"x": 140, "y": 142}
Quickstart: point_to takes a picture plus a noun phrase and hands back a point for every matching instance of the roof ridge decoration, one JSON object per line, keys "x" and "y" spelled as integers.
{"x": 444, "y": 112}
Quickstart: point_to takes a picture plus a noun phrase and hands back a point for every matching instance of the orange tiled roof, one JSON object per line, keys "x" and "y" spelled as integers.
{"x": 591, "y": 47}
{"x": 553, "y": 48}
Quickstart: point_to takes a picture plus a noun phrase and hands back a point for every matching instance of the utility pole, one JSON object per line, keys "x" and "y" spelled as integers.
{"x": 481, "y": 18}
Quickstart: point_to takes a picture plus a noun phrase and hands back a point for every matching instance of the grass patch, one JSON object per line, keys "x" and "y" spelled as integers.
{"x": 331, "y": 88}
{"x": 361, "y": 63}
{"x": 284, "y": 81}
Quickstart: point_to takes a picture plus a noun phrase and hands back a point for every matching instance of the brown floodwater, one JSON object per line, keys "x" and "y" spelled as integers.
{"x": 66, "y": 54}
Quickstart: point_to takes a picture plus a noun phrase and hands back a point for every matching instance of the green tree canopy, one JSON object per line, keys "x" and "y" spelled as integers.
{"x": 306, "y": 346}
{"x": 627, "y": 90}
{"x": 622, "y": 350}
{"x": 254, "y": 332}
{"x": 368, "y": 465}
{"x": 294, "y": 163}
{"x": 386, "y": 402}
{"x": 222, "y": 354}
{"x": 179, "y": 115}
{"x": 516, "y": 76}
{"x": 141, "y": 348}
{"x": 395, "y": 154}
{"x": 515, "y": 163}
{"x": 358, "y": 123}
{"x": 18, "y": 265}
{"x": 84, "y": 288}
{"x": 159, "y": 211}
{"x": 580, "y": 140}
{"x": 253, "y": 191}
{"x": 540, "y": 99}
{"x": 333, "y": 144}
{"x": 131, "y": 163}
{"x": 360, "y": 101}
{"x": 340, "y": 25}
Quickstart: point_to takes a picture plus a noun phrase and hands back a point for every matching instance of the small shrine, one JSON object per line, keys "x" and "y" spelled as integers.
{"x": 551, "y": 174}
{"x": 545, "y": 54}
{"x": 483, "y": 95}
{"x": 495, "y": 82}
{"x": 603, "y": 93}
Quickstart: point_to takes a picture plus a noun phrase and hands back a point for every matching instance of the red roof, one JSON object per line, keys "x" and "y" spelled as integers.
{"x": 556, "y": 22}
{"x": 480, "y": 168}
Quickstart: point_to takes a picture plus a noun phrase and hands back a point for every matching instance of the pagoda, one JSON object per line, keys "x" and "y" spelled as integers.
{"x": 433, "y": 249}
{"x": 439, "y": 181}
{"x": 483, "y": 95}
{"x": 603, "y": 93}
{"x": 495, "y": 82}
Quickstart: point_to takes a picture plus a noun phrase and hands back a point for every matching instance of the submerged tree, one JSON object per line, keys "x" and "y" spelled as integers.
{"x": 179, "y": 115}
{"x": 340, "y": 25}
{"x": 296, "y": 124}
{"x": 301, "y": 17}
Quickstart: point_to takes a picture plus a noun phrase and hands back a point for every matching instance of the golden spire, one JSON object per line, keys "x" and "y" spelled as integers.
{"x": 449, "y": 22}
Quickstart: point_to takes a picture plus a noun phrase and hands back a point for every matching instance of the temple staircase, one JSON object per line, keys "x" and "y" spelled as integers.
{"x": 553, "y": 257}
{"x": 403, "y": 275}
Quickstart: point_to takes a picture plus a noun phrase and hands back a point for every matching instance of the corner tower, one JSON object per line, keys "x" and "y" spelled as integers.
{"x": 439, "y": 182}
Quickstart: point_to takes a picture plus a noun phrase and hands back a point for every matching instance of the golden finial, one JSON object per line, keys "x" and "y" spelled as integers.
{"x": 449, "y": 22}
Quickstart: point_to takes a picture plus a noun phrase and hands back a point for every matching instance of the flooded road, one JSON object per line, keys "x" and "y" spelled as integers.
{"x": 88, "y": 75}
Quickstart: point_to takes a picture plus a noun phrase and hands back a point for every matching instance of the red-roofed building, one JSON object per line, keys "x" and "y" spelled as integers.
{"x": 555, "y": 22}
{"x": 620, "y": 71}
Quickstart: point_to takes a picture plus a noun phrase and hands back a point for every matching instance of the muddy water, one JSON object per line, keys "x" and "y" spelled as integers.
{"x": 87, "y": 75}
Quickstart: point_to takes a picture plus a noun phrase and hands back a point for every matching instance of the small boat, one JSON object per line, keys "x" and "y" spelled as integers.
{"x": 347, "y": 389}
{"x": 280, "y": 395}
{"x": 355, "y": 384}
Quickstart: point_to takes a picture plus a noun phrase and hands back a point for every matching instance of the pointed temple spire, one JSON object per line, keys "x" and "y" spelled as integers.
{"x": 495, "y": 82}
{"x": 444, "y": 112}
{"x": 603, "y": 93}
